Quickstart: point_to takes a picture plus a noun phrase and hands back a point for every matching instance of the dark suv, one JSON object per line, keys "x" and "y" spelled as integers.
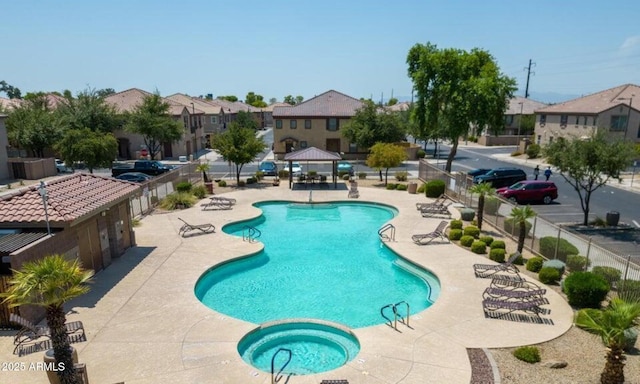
{"x": 530, "y": 190}
{"x": 268, "y": 168}
{"x": 501, "y": 177}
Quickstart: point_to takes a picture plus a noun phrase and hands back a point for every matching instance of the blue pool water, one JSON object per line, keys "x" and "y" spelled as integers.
{"x": 322, "y": 261}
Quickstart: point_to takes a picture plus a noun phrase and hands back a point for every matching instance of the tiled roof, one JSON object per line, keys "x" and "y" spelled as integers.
{"x": 200, "y": 105}
{"x": 14, "y": 241}
{"x": 69, "y": 198}
{"x": 399, "y": 107}
{"x": 528, "y": 106}
{"x": 312, "y": 154}
{"x": 269, "y": 108}
{"x": 597, "y": 102}
{"x": 330, "y": 103}
{"x": 9, "y": 104}
{"x": 127, "y": 101}
{"x": 232, "y": 106}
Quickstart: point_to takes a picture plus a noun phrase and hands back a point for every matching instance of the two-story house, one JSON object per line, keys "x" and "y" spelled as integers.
{"x": 611, "y": 111}
{"x": 519, "y": 107}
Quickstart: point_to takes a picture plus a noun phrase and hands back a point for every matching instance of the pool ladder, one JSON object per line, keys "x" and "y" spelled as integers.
{"x": 387, "y": 232}
{"x": 276, "y": 377}
{"x": 396, "y": 316}
{"x": 250, "y": 234}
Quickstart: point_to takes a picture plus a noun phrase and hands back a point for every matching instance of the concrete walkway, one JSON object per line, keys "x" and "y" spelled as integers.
{"x": 145, "y": 325}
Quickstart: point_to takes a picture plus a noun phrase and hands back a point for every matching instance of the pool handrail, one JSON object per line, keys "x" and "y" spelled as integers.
{"x": 278, "y": 376}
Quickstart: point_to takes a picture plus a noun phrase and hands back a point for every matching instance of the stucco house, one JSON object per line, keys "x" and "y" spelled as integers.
{"x": 518, "y": 108}
{"x": 212, "y": 115}
{"x": 315, "y": 123}
{"x": 611, "y": 111}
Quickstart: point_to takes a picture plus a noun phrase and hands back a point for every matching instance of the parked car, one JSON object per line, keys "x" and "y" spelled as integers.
{"x": 478, "y": 172}
{"x": 149, "y": 167}
{"x": 296, "y": 168}
{"x": 61, "y": 167}
{"x": 268, "y": 168}
{"x": 345, "y": 166}
{"x": 501, "y": 177}
{"x": 530, "y": 190}
{"x": 134, "y": 177}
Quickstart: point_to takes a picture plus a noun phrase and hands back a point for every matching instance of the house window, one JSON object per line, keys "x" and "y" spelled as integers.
{"x": 278, "y": 124}
{"x": 293, "y": 124}
{"x": 618, "y": 123}
{"x": 185, "y": 120}
{"x": 577, "y": 120}
{"x": 543, "y": 119}
{"x": 303, "y": 144}
{"x": 508, "y": 119}
{"x": 214, "y": 119}
{"x": 563, "y": 120}
{"x": 332, "y": 124}
{"x": 307, "y": 124}
{"x": 584, "y": 120}
{"x": 353, "y": 147}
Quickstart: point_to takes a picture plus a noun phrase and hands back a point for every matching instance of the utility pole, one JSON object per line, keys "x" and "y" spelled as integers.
{"x": 528, "y": 69}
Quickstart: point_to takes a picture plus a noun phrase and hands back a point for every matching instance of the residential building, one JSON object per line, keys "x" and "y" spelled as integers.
{"x": 518, "y": 108}
{"x": 230, "y": 110}
{"x": 4, "y": 145}
{"x": 611, "y": 111}
{"x": 130, "y": 144}
{"x": 211, "y": 114}
{"x": 316, "y": 123}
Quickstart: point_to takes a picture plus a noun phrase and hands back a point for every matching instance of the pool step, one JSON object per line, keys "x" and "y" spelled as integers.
{"x": 423, "y": 274}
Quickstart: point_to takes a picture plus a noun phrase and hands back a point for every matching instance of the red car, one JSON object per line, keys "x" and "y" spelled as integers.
{"x": 530, "y": 190}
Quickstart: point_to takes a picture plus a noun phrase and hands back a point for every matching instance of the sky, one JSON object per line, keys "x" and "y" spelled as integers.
{"x": 278, "y": 48}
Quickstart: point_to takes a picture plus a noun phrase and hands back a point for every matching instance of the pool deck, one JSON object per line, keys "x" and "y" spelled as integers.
{"x": 145, "y": 326}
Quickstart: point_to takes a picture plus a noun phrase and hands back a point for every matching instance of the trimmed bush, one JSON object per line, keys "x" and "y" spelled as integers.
{"x": 472, "y": 230}
{"x": 509, "y": 227}
{"x": 577, "y": 263}
{"x": 402, "y": 187}
{"x": 467, "y": 214}
{"x": 519, "y": 261}
{"x": 498, "y": 244}
{"x": 402, "y": 175}
{"x": 479, "y": 247}
{"x": 549, "y": 275}
{"x": 252, "y": 180}
{"x": 420, "y": 153}
{"x": 184, "y": 186}
{"x": 199, "y": 191}
{"x": 528, "y": 354}
{"x": 455, "y": 224}
{"x": 390, "y": 186}
{"x": 242, "y": 183}
{"x": 565, "y": 248}
{"x": 585, "y": 289}
{"x": 283, "y": 174}
{"x": 557, "y": 264}
{"x": 491, "y": 205}
{"x": 362, "y": 175}
{"x": 434, "y": 188}
{"x": 467, "y": 240}
{"x": 610, "y": 274}
{"x": 222, "y": 183}
{"x": 178, "y": 200}
{"x": 487, "y": 240}
{"x": 455, "y": 234}
{"x": 534, "y": 264}
{"x": 497, "y": 255}
{"x": 533, "y": 151}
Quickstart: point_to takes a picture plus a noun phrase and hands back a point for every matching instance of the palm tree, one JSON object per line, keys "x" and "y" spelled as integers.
{"x": 204, "y": 168}
{"x": 50, "y": 282}
{"x": 610, "y": 324}
{"x": 520, "y": 215}
{"x": 482, "y": 189}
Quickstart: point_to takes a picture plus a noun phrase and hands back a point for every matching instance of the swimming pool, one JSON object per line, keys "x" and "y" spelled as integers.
{"x": 322, "y": 261}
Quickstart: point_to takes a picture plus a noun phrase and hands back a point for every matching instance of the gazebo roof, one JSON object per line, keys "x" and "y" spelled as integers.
{"x": 312, "y": 154}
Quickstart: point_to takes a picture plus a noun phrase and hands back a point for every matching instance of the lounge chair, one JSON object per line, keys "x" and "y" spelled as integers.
{"x": 218, "y": 203}
{"x": 426, "y": 238}
{"x": 516, "y": 284}
{"x": 439, "y": 201}
{"x": 436, "y": 210}
{"x": 353, "y": 190}
{"x": 514, "y": 294}
{"x": 341, "y": 381}
{"x": 231, "y": 200}
{"x": 31, "y": 332}
{"x": 204, "y": 228}
{"x": 488, "y": 270}
{"x": 504, "y": 307}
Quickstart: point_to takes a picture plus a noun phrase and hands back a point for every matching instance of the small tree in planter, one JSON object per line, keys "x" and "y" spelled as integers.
{"x": 482, "y": 189}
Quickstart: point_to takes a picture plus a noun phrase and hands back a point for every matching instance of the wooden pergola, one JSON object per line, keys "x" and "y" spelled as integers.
{"x": 314, "y": 154}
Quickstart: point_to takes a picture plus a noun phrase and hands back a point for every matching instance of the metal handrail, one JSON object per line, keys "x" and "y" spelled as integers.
{"x": 278, "y": 376}
{"x": 404, "y": 320}
{"x": 250, "y": 233}
{"x": 390, "y": 323}
{"x": 385, "y": 228}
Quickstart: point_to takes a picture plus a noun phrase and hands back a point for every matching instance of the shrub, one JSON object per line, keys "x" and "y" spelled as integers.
{"x": 455, "y": 224}
{"x": 283, "y": 174}
{"x": 491, "y": 205}
{"x": 629, "y": 290}
{"x": 528, "y": 354}
{"x": 577, "y": 263}
{"x": 487, "y": 240}
{"x": 199, "y": 191}
{"x": 498, "y": 244}
{"x": 178, "y": 200}
{"x": 610, "y": 274}
{"x": 471, "y": 230}
{"x": 421, "y": 153}
{"x": 467, "y": 240}
{"x": 497, "y": 255}
{"x": 222, "y": 183}
{"x": 184, "y": 186}
{"x": 549, "y": 275}
{"x": 585, "y": 289}
{"x": 455, "y": 234}
{"x": 467, "y": 214}
{"x": 533, "y": 151}
{"x": 557, "y": 264}
{"x": 259, "y": 175}
{"x": 565, "y": 248}
{"x": 534, "y": 264}
{"x": 519, "y": 260}
{"x": 479, "y": 247}
{"x": 402, "y": 187}
{"x": 434, "y": 188}
{"x": 390, "y": 186}
{"x": 421, "y": 188}
{"x": 241, "y": 183}
{"x": 401, "y": 175}
{"x": 509, "y": 227}
{"x": 362, "y": 175}
{"x": 251, "y": 180}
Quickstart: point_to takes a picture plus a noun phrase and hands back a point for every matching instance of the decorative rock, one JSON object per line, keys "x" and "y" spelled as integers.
{"x": 467, "y": 214}
{"x": 555, "y": 364}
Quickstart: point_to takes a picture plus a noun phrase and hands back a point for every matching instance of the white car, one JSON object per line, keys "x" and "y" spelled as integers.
{"x": 61, "y": 167}
{"x": 296, "y": 168}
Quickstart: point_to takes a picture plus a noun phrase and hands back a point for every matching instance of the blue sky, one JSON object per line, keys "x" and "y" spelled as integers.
{"x": 276, "y": 48}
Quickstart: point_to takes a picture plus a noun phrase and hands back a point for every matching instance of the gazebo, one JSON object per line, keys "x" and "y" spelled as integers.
{"x": 314, "y": 154}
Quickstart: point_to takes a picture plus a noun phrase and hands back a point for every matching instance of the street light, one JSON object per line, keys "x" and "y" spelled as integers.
{"x": 42, "y": 190}
{"x": 628, "y": 113}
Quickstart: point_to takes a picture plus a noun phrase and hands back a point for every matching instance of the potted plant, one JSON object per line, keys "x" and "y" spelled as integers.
{"x": 208, "y": 184}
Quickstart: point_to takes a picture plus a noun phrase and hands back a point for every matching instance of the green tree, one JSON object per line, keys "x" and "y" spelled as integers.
{"x": 483, "y": 190}
{"x": 95, "y": 149}
{"x": 588, "y": 164}
{"x": 33, "y": 126}
{"x": 11, "y": 91}
{"x": 610, "y": 324}
{"x": 238, "y": 145}
{"x": 457, "y": 89}
{"x": 273, "y": 100}
{"x": 246, "y": 120}
{"x": 152, "y": 120}
{"x": 289, "y": 100}
{"x": 50, "y": 282}
{"x": 204, "y": 168}
{"x": 88, "y": 110}
{"x": 255, "y": 100}
{"x": 230, "y": 98}
{"x": 105, "y": 92}
{"x": 299, "y": 99}
{"x": 371, "y": 125}
{"x": 392, "y": 101}
{"x": 520, "y": 216}
{"x": 385, "y": 156}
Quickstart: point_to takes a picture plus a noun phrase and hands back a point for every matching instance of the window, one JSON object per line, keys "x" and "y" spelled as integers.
{"x": 332, "y": 124}
{"x": 307, "y": 124}
{"x": 293, "y": 124}
{"x": 353, "y": 147}
{"x": 303, "y": 144}
{"x": 214, "y": 119}
{"x": 543, "y": 119}
{"x": 185, "y": 120}
{"x": 618, "y": 123}
{"x": 563, "y": 120}
{"x": 508, "y": 119}
{"x": 584, "y": 120}
{"x": 278, "y": 124}
{"x": 577, "y": 120}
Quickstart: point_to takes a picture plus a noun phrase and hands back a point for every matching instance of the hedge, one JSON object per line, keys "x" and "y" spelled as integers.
{"x": 565, "y": 248}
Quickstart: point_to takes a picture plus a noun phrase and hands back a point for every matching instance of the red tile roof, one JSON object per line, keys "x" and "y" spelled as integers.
{"x": 127, "y": 101}
{"x": 597, "y": 102}
{"x": 330, "y": 103}
{"x": 69, "y": 198}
